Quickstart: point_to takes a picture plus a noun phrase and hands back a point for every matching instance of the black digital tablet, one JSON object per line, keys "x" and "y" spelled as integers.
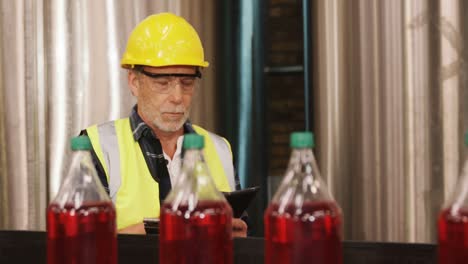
{"x": 240, "y": 200}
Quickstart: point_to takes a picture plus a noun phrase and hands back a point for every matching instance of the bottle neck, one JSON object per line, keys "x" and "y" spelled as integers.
{"x": 194, "y": 183}
{"x": 81, "y": 183}
{"x": 195, "y": 173}
{"x": 78, "y": 157}
{"x": 303, "y": 162}
{"x": 192, "y": 157}
{"x": 302, "y": 181}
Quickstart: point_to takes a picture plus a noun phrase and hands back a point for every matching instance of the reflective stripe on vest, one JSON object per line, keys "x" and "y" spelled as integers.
{"x": 131, "y": 184}
{"x": 220, "y": 161}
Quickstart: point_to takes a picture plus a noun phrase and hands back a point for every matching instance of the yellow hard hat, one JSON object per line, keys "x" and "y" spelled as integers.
{"x": 163, "y": 40}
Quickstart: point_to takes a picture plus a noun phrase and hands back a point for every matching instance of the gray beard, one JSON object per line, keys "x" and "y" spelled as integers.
{"x": 172, "y": 127}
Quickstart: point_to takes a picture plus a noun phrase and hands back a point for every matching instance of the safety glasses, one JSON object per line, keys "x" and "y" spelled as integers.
{"x": 164, "y": 82}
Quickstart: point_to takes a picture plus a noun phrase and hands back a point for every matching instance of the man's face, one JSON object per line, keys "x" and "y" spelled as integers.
{"x": 165, "y": 101}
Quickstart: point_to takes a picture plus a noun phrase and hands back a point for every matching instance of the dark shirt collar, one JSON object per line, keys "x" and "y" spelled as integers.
{"x": 140, "y": 128}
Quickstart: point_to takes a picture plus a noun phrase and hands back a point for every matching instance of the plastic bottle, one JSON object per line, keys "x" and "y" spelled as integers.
{"x": 81, "y": 225}
{"x": 195, "y": 225}
{"x": 453, "y": 222}
{"x": 303, "y": 223}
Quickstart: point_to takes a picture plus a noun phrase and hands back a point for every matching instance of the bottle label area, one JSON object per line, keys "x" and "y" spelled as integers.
{"x": 82, "y": 235}
{"x": 310, "y": 234}
{"x": 453, "y": 237}
{"x": 201, "y": 235}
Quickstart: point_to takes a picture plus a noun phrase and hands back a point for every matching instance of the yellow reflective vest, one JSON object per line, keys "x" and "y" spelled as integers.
{"x": 131, "y": 187}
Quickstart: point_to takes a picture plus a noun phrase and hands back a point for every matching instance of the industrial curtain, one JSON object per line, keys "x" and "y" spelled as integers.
{"x": 59, "y": 73}
{"x": 391, "y": 104}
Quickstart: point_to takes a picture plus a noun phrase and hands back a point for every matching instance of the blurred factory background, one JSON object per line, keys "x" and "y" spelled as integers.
{"x": 382, "y": 84}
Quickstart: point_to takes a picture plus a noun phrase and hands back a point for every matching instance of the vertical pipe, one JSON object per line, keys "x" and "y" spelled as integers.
{"x": 15, "y": 104}
{"x": 306, "y": 36}
{"x": 41, "y": 100}
{"x": 113, "y": 60}
{"x": 259, "y": 170}
{"x": 35, "y": 113}
{"x": 4, "y": 204}
{"x": 58, "y": 79}
{"x": 227, "y": 59}
{"x": 245, "y": 89}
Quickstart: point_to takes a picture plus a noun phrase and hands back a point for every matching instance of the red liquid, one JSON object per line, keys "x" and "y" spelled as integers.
{"x": 86, "y": 235}
{"x": 453, "y": 237}
{"x": 311, "y": 236}
{"x": 205, "y": 237}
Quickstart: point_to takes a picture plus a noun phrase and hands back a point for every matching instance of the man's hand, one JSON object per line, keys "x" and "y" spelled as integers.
{"x": 239, "y": 228}
{"x": 137, "y": 229}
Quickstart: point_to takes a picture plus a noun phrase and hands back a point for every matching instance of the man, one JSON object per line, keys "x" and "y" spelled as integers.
{"x": 138, "y": 158}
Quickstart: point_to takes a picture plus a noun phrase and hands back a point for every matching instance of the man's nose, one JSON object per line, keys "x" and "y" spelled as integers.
{"x": 176, "y": 93}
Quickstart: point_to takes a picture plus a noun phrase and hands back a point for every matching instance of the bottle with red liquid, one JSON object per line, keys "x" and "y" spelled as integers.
{"x": 195, "y": 222}
{"x": 303, "y": 223}
{"x": 81, "y": 227}
{"x": 453, "y": 222}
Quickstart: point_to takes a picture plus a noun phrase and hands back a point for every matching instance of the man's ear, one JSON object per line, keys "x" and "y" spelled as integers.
{"x": 133, "y": 82}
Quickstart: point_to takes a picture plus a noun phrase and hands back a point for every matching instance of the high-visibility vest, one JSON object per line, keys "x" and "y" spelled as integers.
{"x": 131, "y": 187}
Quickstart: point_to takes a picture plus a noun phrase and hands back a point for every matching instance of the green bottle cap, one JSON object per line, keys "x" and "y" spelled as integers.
{"x": 193, "y": 141}
{"x": 466, "y": 139}
{"x": 301, "y": 139}
{"x": 81, "y": 143}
